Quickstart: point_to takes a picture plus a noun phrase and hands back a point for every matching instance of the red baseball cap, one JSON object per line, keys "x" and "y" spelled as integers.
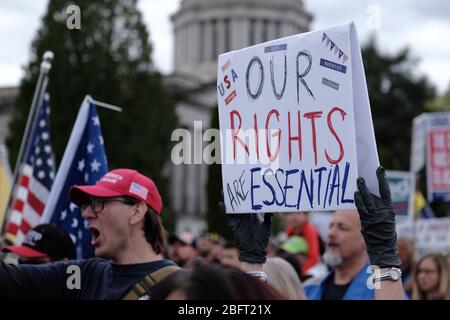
{"x": 117, "y": 183}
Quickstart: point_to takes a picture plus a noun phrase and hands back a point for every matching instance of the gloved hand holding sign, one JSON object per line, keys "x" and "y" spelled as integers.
{"x": 378, "y": 222}
{"x": 251, "y": 233}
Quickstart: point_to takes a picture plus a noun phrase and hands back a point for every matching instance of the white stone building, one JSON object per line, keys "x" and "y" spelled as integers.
{"x": 203, "y": 29}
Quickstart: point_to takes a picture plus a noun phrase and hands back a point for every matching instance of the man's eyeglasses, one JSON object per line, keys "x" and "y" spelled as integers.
{"x": 98, "y": 204}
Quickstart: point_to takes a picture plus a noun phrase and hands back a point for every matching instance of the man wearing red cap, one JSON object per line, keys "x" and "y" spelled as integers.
{"x": 122, "y": 212}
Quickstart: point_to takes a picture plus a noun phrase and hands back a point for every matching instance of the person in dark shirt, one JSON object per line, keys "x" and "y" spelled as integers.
{"x": 122, "y": 213}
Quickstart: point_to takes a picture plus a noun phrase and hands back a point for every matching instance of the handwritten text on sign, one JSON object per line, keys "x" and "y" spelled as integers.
{"x": 287, "y": 124}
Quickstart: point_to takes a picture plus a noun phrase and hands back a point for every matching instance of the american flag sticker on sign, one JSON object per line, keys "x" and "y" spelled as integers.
{"x": 139, "y": 190}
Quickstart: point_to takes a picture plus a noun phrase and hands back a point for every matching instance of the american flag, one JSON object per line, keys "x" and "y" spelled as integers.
{"x": 84, "y": 162}
{"x": 35, "y": 178}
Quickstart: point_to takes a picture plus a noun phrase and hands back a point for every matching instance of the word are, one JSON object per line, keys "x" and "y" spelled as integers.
{"x": 236, "y": 192}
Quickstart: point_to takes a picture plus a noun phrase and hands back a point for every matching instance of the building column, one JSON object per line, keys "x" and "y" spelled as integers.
{"x": 176, "y": 54}
{"x": 201, "y": 42}
{"x": 259, "y": 25}
{"x": 271, "y": 30}
{"x": 286, "y": 29}
{"x": 193, "y": 185}
{"x": 203, "y": 187}
{"x": 182, "y": 47}
{"x": 177, "y": 186}
{"x": 239, "y": 33}
{"x": 220, "y": 34}
{"x": 189, "y": 43}
{"x": 208, "y": 38}
{"x": 195, "y": 42}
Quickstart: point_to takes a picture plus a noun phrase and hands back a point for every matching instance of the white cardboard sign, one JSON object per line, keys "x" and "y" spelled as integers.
{"x": 402, "y": 185}
{"x": 295, "y": 122}
{"x": 429, "y": 235}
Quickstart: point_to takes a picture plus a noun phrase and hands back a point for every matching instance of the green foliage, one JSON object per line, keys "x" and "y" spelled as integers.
{"x": 396, "y": 97}
{"x": 440, "y": 103}
{"x": 110, "y": 59}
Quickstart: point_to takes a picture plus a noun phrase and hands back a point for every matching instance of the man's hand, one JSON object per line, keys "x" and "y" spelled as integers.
{"x": 378, "y": 222}
{"x": 251, "y": 234}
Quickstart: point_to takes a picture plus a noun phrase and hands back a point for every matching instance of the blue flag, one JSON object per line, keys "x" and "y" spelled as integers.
{"x": 84, "y": 163}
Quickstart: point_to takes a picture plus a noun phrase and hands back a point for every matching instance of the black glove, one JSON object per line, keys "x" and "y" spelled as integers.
{"x": 251, "y": 234}
{"x": 378, "y": 222}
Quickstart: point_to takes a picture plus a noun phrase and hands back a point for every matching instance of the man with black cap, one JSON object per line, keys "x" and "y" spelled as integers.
{"x": 122, "y": 212}
{"x": 44, "y": 243}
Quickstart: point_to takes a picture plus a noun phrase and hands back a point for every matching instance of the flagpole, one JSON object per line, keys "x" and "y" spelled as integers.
{"x": 46, "y": 65}
{"x": 103, "y": 104}
{"x": 41, "y": 86}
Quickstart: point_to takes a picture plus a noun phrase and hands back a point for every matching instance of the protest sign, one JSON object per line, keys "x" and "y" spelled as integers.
{"x": 430, "y": 145}
{"x": 438, "y": 157}
{"x": 418, "y": 143}
{"x": 295, "y": 122}
{"x": 428, "y": 235}
{"x": 402, "y": 186}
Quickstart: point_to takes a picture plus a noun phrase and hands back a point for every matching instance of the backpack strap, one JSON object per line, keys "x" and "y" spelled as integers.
{"x": 149, "y": 281}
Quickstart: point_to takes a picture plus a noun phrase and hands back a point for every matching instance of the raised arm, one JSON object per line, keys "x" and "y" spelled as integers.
{"x": 32, "y": 281}
{"x": 252, "y": 235}
{"x": 378, "y": 229}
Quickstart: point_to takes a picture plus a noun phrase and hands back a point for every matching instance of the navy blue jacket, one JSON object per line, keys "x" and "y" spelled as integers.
{"x": 100, "y": 279}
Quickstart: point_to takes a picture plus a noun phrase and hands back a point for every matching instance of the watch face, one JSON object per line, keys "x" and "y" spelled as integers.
{"x": 395, "y": 274}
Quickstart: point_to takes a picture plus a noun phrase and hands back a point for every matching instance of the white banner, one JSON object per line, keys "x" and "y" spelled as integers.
{"x": 429, "y": 235}
{"x": 295, "y": 122}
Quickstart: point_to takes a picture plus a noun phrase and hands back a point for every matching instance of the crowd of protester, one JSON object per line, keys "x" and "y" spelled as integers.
{"x": 297, "y": 264}
{"x": 424, "y": 278}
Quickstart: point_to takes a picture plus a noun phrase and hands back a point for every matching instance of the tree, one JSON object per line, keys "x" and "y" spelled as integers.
{"x": 396, "y": 97}
{"x": 109, "y": 57}
{"x": 440, "y": 103}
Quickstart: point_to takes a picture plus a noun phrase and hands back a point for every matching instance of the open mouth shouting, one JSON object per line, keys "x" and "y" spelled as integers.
{"x": 95, "y": 233}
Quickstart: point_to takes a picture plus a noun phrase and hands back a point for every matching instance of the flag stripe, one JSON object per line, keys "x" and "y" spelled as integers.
{"x": 24, "y": 228}
{"x": 22, "y": 193}
{"x": 12, "y": 229}
{"x": 16, "y": 216}
{"x": 39, "y": 191}
{"x": 26, "y": 224}
{"x": 34, "y": 203}
{"x": 35, "y": 178}
{"x": 24, "y": 180}
{"x": 18, "y": 206}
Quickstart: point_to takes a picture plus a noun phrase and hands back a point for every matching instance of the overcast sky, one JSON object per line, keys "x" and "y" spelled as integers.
{"x": 424, "y": 26}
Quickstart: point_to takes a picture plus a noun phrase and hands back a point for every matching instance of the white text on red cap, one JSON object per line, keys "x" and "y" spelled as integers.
{"x": 111, "y": 178}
